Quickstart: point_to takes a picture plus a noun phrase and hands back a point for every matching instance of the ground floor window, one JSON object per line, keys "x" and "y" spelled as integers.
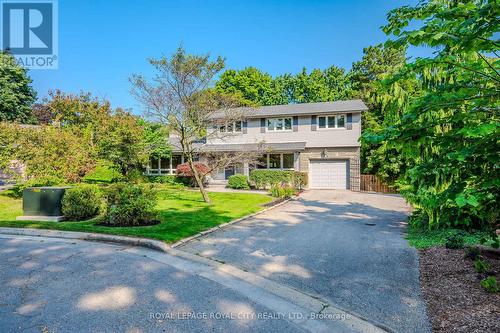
{"x": 279, "y": 161}
{"x": 164, "y": 165}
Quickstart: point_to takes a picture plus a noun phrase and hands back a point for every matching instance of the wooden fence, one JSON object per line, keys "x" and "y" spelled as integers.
{"x": 371, "y": 183}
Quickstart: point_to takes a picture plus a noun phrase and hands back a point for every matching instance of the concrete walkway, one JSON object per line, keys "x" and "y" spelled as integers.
{"x": 342, "y": 246}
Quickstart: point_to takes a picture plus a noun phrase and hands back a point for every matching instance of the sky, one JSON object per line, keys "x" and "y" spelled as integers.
{"x": 102, "y": 43}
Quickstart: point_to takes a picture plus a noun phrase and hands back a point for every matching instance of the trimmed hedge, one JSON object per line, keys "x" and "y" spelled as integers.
{"x": 82, "y": 202}
{"x": 238, "y": 182}
{"x": 172, "y": 180}
{"x": 264, "y": 178}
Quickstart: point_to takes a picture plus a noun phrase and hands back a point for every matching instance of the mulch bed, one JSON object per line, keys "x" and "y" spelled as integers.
{"x": 456, "y": 302}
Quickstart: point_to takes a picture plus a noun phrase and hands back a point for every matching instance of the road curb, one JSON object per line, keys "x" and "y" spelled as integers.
{"x": 132, "y": 241}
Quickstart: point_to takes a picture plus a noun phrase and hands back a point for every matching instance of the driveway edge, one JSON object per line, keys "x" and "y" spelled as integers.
{"x": 357, "y": 323}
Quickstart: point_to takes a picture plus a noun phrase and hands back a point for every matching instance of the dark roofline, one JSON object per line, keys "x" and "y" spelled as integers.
{"x": 302, "y": 109}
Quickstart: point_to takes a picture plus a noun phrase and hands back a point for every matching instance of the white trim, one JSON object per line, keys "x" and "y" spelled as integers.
{"x": 234, "y": 127}
{"x": 274, "y": 125}
{"x": 336, "y": 116}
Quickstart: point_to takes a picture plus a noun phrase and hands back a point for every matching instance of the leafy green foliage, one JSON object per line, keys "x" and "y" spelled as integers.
{"x": 130, "y": 205}
{"x": 105, "y": 173}
{"x": 156, "y": 139}
{"x": 64, "y": 153}
{"x": 264, "y": 178}
{"x": 490, "y": 284}
{"x": 282, "y": 191}
{"x": 239, "y": 182}
{"x": 299, "y": 180}
{"x": 481, "y": 266}
{"x": 16, "y": 93}
{"x": 455, "y": 241}
{"x": 82, "y": 202}
{"x": 40, "y": 181}
{"x": 448, "y": 134}
{"x": 422, "y": 237}
{"x": 268, "y": 178}
{"x": 253, "y": 87}
{"x": 170, "y": 180}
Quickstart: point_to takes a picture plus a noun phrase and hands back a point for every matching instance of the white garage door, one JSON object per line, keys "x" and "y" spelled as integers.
{"x": 328, "y": 174}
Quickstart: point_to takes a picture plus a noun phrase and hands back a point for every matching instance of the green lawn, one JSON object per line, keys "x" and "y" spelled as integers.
{"x": 182, "y": 213}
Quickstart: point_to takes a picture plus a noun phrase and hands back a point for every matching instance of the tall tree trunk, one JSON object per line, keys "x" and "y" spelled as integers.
{"x": 199, "y": 180}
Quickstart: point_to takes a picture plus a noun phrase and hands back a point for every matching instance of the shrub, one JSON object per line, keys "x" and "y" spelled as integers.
{"x": 279, "y": 191}
{"x": 263, "y": 179}
{"x": 171, "y": 180}
{"x": 136, "y": 176}
{"x": 18, "y": 189}
{"x": 82, "y": 202}
{"x": 186, "y": 176}
{"x": 490, "y": 284}
{"x": 238, "y": 182}
{"x": 455, "y": 241}
{"x": 130, "y": 205}
{"x": 481, "y": 266}
{"x": 299, "y": 180}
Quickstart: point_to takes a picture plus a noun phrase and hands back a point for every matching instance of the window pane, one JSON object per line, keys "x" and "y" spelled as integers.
{"x": 322, "y": 122}
{"x": 230, "y": 127}
{"x": 153, "y": 163}
{"x": 287, "y": 161}
{"x": 196, "y": 157}
{"x": 331, "y": 122}
{"x": 165, "y": 163}
{"x": 237, "y": 126}
{"x": 279, "y": 124}
{"x": 270, "y": 124}
{"x": 262, "y": 162}
{"x": 222, "y": 128}
{"x": 288, "y": 123}
{"x": 274, "y": 161}
{"x": 340, "y": 121}
{"x": 176, "y": 160}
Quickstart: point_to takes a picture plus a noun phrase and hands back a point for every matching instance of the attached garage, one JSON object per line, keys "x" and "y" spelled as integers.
{"x": 328, "y": 174}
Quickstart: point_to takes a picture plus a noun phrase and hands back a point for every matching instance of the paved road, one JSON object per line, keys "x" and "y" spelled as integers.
{"x": 51, "y": 285}
{"x": 345, "y": 247}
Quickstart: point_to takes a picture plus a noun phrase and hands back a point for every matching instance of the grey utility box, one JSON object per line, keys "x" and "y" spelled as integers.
{"x": 42, "y": 204}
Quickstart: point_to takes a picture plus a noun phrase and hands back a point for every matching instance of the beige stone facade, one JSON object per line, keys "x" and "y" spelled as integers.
{"x": 331, "y": 153}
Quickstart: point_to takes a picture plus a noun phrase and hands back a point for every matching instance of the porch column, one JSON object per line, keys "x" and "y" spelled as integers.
{"x": 296, "y": 161}
{"x": 246, "y": 169}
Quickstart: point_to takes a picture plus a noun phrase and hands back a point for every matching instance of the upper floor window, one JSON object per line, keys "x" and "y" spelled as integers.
{"x": 231, "y": 127}
{"x": 279, "y": 124}
{"x": 337, "y": 121}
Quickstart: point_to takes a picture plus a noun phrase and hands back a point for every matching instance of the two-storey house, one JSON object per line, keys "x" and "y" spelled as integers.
{"x": 321, "y": 139}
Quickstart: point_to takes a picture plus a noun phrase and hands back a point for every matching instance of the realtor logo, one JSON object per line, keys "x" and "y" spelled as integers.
{"x": 29, "y": 32}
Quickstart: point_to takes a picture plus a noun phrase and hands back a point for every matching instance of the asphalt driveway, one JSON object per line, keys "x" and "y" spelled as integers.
{"x": 342, "y": 246}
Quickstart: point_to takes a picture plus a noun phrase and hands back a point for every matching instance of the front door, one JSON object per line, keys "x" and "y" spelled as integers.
{"x": 229, "y": 172}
